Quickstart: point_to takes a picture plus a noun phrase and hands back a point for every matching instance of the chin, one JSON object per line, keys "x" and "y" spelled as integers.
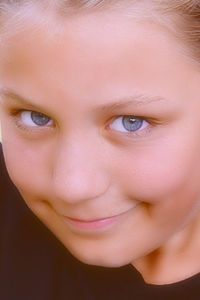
{"x": 101, "y": 262}
{"x": 101, "y": 259}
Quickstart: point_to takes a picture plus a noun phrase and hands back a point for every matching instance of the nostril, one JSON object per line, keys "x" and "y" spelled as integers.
{"x": 74, "y": 189}
{"x": 78, "y": 173}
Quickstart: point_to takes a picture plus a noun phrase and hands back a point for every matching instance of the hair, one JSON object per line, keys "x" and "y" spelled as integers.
{"x": 181, "y": 17}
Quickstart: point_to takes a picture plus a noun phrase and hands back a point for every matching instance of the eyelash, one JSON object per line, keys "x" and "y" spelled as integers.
{"x": 15, "y": 113}
{"x": 138, "y": 132}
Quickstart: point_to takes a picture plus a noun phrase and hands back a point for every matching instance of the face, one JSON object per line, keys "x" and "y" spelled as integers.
{"x": 100, "y": 126}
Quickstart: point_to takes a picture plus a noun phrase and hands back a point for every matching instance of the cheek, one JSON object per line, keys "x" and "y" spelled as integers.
{"x": 158, "y": 174}
{"x": 26, "y": 166}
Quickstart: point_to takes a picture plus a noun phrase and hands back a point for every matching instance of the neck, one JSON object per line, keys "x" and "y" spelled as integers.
{"x": 176, "y": 260}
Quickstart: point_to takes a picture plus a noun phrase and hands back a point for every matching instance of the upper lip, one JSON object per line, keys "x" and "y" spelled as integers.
{"x": 96, "y": 219}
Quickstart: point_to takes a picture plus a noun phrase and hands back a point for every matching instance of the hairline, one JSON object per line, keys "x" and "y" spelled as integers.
{"x": 149, "y": 12}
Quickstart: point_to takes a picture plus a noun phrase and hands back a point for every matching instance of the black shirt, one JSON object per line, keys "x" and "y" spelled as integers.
{"x": 34, "y": 265}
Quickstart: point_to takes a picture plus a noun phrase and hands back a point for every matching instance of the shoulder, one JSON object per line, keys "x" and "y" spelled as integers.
{"x": 6, "y": 185}
{"x": 2, "y": 166}
{"x": 7, "y": 188}
{"x": 29, "y": 252}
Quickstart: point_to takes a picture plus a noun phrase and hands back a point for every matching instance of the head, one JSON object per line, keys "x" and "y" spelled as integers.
{"x": 100, "y": 118}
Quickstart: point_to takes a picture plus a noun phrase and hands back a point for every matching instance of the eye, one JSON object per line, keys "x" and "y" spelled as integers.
{"x": 129, "y": 124}
{"x": 35, "y": 119}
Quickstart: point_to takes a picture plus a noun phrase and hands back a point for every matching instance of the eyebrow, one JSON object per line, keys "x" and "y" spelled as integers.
{"x": 10, "y": 95}
{"x": 137, "y": 99}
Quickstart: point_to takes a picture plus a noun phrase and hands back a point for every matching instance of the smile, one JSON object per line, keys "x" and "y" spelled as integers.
{"x": 94, "y": 225}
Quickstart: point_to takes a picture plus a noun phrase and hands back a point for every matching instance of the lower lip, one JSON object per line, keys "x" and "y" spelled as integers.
{"x": 92, "y": 225}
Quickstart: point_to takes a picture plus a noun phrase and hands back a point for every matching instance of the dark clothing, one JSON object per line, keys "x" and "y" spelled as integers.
{"x": 34, "y": 265}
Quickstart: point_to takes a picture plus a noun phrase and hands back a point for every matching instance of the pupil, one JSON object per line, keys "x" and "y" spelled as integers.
{"x": 132, "y": 124}
{"x": 39, "y": 119}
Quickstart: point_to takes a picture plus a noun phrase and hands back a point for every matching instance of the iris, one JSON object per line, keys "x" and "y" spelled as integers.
{"x": 39, "y": 118}
{"x": 131, "y": 123}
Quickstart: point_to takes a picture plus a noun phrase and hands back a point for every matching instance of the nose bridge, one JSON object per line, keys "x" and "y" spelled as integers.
{"x": 78, "y": 172}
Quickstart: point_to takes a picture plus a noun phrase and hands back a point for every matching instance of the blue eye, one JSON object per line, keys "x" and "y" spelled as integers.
{"x": 39, "y": 119}
{"x": 35, "y": 119}
{"x": 129, "y": 124}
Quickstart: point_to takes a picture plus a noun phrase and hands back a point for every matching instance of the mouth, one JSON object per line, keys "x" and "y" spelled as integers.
{"x": 94, "y": 225}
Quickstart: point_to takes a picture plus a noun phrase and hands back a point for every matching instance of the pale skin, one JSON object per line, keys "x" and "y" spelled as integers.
{"x": 84, "y": 164}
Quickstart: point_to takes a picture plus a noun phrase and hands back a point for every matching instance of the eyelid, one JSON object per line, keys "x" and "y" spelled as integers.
{"x": 15, "y": 113}
{"x": 120, "y": 123}
{"x": 25, "y": 118}
{"x": 137, "y": 133}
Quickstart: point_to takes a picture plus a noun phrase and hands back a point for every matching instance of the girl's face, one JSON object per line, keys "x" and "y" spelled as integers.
{"x": 102, "y": 120}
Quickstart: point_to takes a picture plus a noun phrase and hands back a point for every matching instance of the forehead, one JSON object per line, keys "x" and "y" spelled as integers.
{"x": 90, "y": 55}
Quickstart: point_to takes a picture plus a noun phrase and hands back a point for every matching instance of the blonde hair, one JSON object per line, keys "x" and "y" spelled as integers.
{"x": 182, "y": 17}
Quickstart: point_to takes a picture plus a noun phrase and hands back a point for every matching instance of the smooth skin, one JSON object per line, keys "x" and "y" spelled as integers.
{"x": 84, "y": 163}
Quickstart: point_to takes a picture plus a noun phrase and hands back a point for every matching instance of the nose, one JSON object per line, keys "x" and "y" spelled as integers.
{"x": 78, "y": 172}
